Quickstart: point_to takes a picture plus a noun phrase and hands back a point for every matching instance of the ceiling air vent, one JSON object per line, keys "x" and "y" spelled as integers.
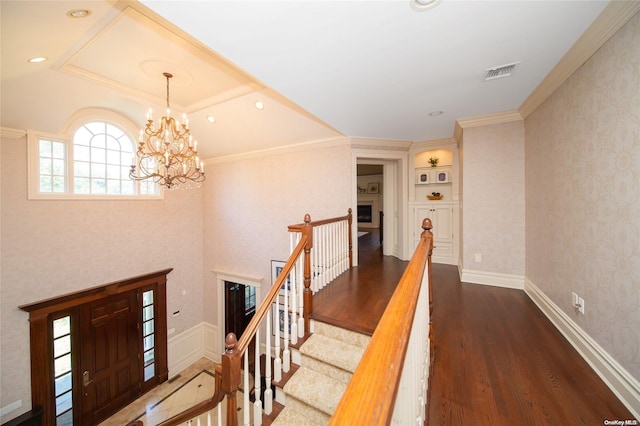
{"x": 500, "y": 71}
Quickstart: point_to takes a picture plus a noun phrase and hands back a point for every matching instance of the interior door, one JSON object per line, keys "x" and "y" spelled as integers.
{"x": 109, "y": 364}
{"x": 239, "y": 307}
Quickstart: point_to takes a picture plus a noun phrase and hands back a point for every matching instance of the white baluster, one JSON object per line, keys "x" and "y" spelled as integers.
{"x": 294, "y": 322}
{"x": 247, "y": 412}
{"x": 209, "y": 418}
{"x": 257, "y": 403}
{"x": 198, "y": 422}
{"x": 277, "y": 363}
{"x": 220, "y": 413}
{"x": 345, "y": 245}
{"x": 268, "y": 393}
{"x": 336, "y": 248}
{"x": 286, "y": 354}
{"x": 320, "y": 259}
{"x": 314, "y": 261}
{"x": 300, "y": 270}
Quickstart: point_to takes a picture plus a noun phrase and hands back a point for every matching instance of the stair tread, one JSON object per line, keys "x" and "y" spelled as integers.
{"x": 341, "y": 334}
{"x": 290, "y": 417}
{"x": 316, "y": 390}
{"x": 334, "y": 352}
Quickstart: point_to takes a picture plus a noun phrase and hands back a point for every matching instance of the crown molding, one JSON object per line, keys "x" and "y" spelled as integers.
{"x": 384, "y": 144}
{"x": 304, "y": 146}
{"x": 457, "y": 132}
{"x": 486, "y": 120}
{"x": 434, "y": 143}
{"x": 6, "y": 132}
{"x": 612, "y": 18}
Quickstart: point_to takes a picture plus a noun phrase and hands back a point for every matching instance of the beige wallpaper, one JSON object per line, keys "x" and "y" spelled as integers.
{"x": 249, "y": 204}
{"x": 583, "y": 196}
{"x": 493, "y": 199}
{"x": 51, "y": 248}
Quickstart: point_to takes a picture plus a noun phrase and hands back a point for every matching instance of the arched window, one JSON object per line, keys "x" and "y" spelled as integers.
{"x": 93, "y": 162}
{"x": 102, "y": 155}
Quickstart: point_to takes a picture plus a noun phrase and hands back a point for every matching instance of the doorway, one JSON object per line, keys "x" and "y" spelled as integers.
{"x": 239, "y": 307}
{"x": 94, "y": 351}
{"x": 393, "y": 199}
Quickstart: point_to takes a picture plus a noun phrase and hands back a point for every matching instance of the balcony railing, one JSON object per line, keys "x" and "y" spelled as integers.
{"x": 391, "y": 381}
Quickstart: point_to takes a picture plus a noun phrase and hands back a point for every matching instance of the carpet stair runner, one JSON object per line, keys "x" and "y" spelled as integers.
{"x": 325, "y": 363}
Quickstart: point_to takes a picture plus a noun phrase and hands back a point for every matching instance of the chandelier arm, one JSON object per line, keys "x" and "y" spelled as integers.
{"x": 167, "y": 154}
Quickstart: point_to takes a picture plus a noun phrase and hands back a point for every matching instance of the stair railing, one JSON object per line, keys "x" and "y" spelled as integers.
{"x": 292, "y": 293}
{"x": 385, "y": 388}
{"x": 332, "y": 255}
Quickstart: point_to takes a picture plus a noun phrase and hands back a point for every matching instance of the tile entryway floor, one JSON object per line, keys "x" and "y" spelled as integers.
{"x": 193, "y": 385}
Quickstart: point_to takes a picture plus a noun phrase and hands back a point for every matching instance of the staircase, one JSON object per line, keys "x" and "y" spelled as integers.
{"x": 326, "y": 360}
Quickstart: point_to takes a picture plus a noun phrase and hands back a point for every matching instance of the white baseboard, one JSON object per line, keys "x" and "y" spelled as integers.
{"x": 492, "y": 278}
{"x": 623, "y": 384}
{"x": 444, "y": 260}
{"x": 189, "y": 346}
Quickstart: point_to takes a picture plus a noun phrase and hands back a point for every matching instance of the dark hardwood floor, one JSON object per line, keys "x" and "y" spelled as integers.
{"x": 371, "y": 283}
{"x": 498, "y": 360}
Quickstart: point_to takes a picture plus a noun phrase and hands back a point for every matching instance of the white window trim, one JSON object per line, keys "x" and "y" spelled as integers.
{"x": 74, "y": 122}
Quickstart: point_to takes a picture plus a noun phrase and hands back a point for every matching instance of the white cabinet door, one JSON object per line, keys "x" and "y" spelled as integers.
{"x": 441, "y": 219}
{"x": 441, "y": 216}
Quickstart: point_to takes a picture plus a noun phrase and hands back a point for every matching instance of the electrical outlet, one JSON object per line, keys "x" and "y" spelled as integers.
{"x": 574, "y": 300}
{"x": 477, "y": 258}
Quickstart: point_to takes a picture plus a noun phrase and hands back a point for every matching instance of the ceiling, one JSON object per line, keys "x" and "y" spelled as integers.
{"x": 323, "y": 69}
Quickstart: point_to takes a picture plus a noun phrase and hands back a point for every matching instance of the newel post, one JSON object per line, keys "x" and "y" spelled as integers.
{"x": 307, "y": 230}
{"x": 231, "y": 377}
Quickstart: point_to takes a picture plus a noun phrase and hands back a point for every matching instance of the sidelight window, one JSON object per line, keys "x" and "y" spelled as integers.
{"x": 63, "y": 371}
{"x": 148, "y": 335}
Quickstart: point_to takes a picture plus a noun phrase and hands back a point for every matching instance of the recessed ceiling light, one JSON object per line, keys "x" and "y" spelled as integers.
{"x": 259, "y": 105}
{"x": 37, "y": 60}
{"x": 435, "y": 113}
{"x": 211, "y": 119}
{"x": 78, "y": 13}
{"x": 424, "y": 4}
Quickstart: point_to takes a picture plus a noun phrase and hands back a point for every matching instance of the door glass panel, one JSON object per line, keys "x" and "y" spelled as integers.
{"x": 148, "y": 331}
{"x": 62, "y": 370}
{"x": 63, "y": 383}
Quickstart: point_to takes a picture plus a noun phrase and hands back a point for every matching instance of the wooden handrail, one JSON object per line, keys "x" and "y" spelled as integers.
{"x": 271, "y": 296}
{"x": 348, "y": 217}
{"x": 371, "y": 394}
{"x": 202, "y": 407}
{"x": 298, "y": 227}
{"x": 228, "y": 372}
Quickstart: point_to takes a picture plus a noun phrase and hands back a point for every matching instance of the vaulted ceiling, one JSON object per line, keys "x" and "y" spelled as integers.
{"x": 323, "y": 69}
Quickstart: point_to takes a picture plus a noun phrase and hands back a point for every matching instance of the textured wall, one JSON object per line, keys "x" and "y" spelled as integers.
{"x": 249, "y": 203}
{"x": 51, "y": 248}
{"x": 583, "y": 196}
{"x": 493, "y": 209}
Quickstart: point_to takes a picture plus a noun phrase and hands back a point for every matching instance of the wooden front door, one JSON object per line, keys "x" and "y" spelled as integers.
{"x": 109, "y": 365}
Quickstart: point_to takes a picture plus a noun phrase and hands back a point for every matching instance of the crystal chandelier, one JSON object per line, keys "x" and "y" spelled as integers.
{"x": 167, "y": 154}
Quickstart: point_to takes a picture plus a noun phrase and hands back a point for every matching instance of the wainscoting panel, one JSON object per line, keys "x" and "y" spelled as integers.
{"x": 212, "y": 350}
{"x": 623, "y": 384}
{"x": 189, "y": 346}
